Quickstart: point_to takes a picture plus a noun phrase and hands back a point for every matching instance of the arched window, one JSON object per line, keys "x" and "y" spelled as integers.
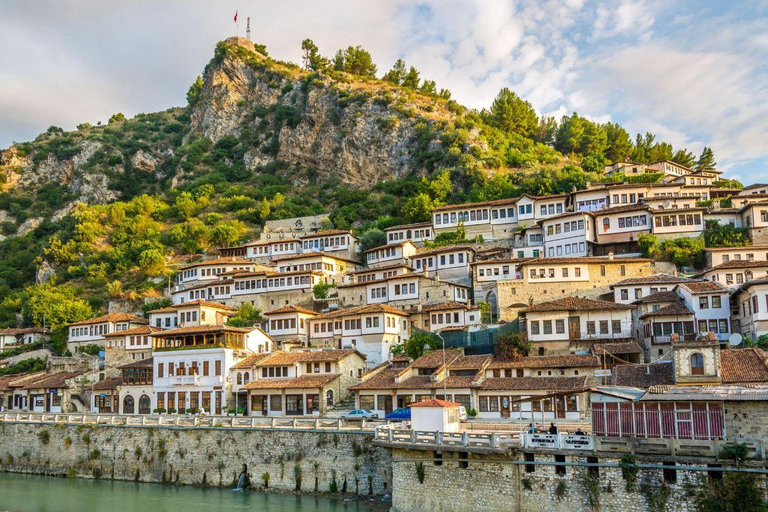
{"x": 246, "y": 378}
{"x": 239, "y": 378}
{"x": 697, "y": 364}
{"x": 128, "y": 405}
{"x": 329, "y": 398}
{"x": 144, "y": 404}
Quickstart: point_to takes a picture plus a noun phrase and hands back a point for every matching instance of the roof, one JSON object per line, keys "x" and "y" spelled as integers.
{"x": 568, "y": 214}
{"x": 17, "y": 381}
{"x": 743, "y": 365}
{"x": 198, "y": 302}
{"x": 623, "y": 209}
{"x": 291, "y": 309}
{"x": 434, "y": 358}
{"x": 597, "y": 260}
{"x": 369, "y": 270}
{"x": 435, "y": 403}
{"x": 142, "y": 329}
{"x": 311, "y": 255}
{"x": 754, "y": 282}
{"x": 535, "y": 384}
{"x": 441, "y": 307}
{"x": 408, "y": 275}
{"x": 576, "y": 304}
{"x": 718, "y": 393}
{"x": 704, "y": 287}
{"x": 385, "y": 379}
{"x": 390, "y": 244}
{"x": 409, "y": 226}
{"x": 564, "y": 361}
{"x": 501, "y": 260}
{"x": 54, "y": 380}
{"x": 444, "y": 248}
{"x": 470, "y": 362}
{"x": 674, "y": 309}
{"x": 643, "y": 375}
{"x": 112, "y": 317}
{"x": 108, "y": 384}
{"x": 666, "y": 296}
{"x": 217, "y": 261}
{"x": 497, "y": 202}
{"x": 305, "y": 381}
{"x": 327, "y": 232}
{"x": 739, "y": 248}
{"x": 13, "y": 331}
{"x": 201, "y": 329}
{"x": 249, "y": 362}
{"x": 626, "y": 347}
{"x": 652, "y": 279}
{"x": 141, "y": 363}
{"x": 286, "y": 358}
{"x": 737, "y": 264}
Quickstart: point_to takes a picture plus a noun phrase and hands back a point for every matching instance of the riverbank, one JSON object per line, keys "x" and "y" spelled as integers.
{"x": 26, "y": 493}
{"x": 283, "y": 460}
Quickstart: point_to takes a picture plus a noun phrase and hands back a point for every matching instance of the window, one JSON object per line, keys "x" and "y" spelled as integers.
{"x": 591, "y": 327}
{"x": 697, "y": 364}
{"x": 530, "y": 468}
{"x": 535, "y": 327}
{"x": 716, "y": 302}
{"x": 547, "y": 326}
{"x": 560, "y": 468}
{"x": 616, "y": 326}
{"x": 703, "y": 302}
{"x": 602, "y": 270}
{"x": 560, "y": 326}
{"x": 603, "y": 326}
{"x": 624, "y": 294}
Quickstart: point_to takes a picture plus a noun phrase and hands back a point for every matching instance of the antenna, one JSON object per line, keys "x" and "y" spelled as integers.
{"x": 734, "y": 340}
{"x": 248, "y": 28}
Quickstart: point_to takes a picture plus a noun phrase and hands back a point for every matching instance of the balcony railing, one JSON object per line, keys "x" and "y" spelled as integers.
{"x": 624, "y": 333}
{"x": 185, "y": 380}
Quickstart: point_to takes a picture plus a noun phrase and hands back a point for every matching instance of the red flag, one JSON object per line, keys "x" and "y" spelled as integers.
{"x": 235, "y": 16}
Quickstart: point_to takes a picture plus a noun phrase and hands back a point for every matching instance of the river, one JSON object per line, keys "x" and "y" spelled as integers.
{"x": 26, "y": 493}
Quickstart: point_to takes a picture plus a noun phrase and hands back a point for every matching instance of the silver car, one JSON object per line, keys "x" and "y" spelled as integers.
{"x": 360, "y": 414}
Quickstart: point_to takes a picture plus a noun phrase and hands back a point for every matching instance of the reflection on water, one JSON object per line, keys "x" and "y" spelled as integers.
{"x": 26, "y": 493}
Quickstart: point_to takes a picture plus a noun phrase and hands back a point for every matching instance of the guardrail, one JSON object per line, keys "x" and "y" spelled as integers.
{"x": 395, "y": 434}
{"x": 157, "y": 420}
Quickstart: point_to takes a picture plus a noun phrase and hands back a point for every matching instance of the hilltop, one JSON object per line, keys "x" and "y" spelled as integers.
{"x": 106, "y": 212}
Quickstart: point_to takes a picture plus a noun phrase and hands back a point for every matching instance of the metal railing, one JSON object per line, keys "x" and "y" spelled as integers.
{"x": 160, "y": 420}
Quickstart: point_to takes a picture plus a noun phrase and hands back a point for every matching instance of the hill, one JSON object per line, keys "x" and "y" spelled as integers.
{"x": 105, "y": 213}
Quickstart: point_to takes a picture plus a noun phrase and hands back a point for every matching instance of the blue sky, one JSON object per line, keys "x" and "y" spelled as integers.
{"x": 694, "y": 73}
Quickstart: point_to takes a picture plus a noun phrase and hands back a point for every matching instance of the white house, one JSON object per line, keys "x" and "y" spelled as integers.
{"x": 450, "y": 262}
{"x": 435, "y": 415}
{"x": 629, "y": 290}
{"x": 417, "y": 233}
{"x": 710, "y": 303}
{"x": 191, "y": 365}
{"x": 736, "y": 272}
{"x": 393, "y": 253}
{"x": 333, "y": 241}
{"x": 289, "y": 323}
{"x": 210, "y": 269}
{"x": 569, "y": 234}
{"x": 92, "y": 331}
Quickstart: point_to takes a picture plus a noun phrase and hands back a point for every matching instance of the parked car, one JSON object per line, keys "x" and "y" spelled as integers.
{"x": 402, "y": 414}
{"x": 462, "y": 413}
{"x": 360, "y": 414}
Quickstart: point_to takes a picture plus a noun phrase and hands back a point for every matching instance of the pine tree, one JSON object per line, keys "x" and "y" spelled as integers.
{"x": 618, "y": 143}
{"x": 570, "y": 133}
{"x": 308, "y": 48}
{"x": 338, "y": 61}
{"x": 706, "y": 160}
{"x": 359, "y": 62}
{"x": 429, "y": 88}
{"x": 684, "y": 157}
{"x": 411, "y": 79}
{"x": 512, "y": 114}
{"x": 397, "y": 73}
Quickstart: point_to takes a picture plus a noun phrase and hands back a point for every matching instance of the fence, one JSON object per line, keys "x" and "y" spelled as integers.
{"x": 159, "y": 420}
{"x": 679, "y": 420}
{"x": 476, "y": 342}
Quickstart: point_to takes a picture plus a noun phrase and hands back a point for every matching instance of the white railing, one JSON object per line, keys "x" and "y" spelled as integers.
{"x": 603, "y": 336}
{"x": 167, "y": 420}
{"x": 185, "y": 380}
{"x": 397, "y": 434}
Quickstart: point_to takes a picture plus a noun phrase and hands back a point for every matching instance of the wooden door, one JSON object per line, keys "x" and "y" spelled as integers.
{"x": 505, "y": 407}
{"x": 574, "y": 327}
{"x": 560, "y": 407}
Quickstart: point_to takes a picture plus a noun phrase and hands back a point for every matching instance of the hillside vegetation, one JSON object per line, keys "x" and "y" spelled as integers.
{"x": 107, "y": 212}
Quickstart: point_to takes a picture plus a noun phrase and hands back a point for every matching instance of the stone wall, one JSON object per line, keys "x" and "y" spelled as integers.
{"x": 199, "y": 456}
{"x": 490, "y": 483}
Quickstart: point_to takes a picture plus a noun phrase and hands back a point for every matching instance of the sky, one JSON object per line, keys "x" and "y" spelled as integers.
{"x": 693, "y": 72}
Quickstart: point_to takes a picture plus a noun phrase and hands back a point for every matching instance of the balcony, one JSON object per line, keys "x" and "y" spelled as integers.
{"x": 185, "y": 380}
{"x": 624, "y": 333}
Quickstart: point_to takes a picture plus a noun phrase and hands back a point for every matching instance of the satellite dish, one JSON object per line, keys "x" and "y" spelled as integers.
{"x": 666, "y": 204}
{"x": 734, "y": 339}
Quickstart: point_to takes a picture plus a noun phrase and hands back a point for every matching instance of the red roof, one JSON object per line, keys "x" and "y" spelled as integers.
{"x": 435, "y": 403}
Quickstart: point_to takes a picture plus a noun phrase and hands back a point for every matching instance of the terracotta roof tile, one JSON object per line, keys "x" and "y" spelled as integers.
{"x": 327, "y": 232}
{"x": 249, "y": 362}
{"x": 441, "y": 307}
{"x": 142, "y": 329}
{"x": 643, "y": 375}
{"x": 54, "y": 380}
{"x": 285, "y": 358}
{"x": 311, "y": 255}
{"x": 435, "y": 403}
{"x": 497, "y": 202}
{"x": 305, "y": 381}
{"x": 470, "y": 362}
{"x": 595, "y": 260}
{"x": 218, "y": 261}
{"x": 565, "y": 361}
{"x": 705, "y": 286}
{"x": 738, "y": 264}
{"x": 198, "y": 302}
{"x": 108, "y": 384}
{"x": 535, "y": 384}
{"x": 112, "y": 317}
{"x": 576, "y": 304}
{"x": 434, "y": 358}
{"x": 362, "y": 310}
{"x": 623, "y": 209}
{"x": 385, "y": 379}
{"x": 141, "y": 363}
{"x": 291, "y": 309}
{"x": 667, "y": 296}
{"x": 674, "y": 309}
{"x": 652, "y": 279}
{"x": 201, "y": 329}
{"x": 409, "y": 226}
{"x": 743, "y": 365}
{"x": 627, "y": 347}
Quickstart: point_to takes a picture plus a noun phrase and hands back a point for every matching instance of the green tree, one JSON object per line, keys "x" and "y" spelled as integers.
{"x": 338, "y": 61}
{"x": 649, "y": 245}
{"x": 117, "y": 118}
{"x": 429, "y": 87}
{"x": 684, "y": 157}
{"x": 247, "y": 316}
{"x": 227, "y": 233}
{"x": 55, "y": 307}
{"x": 359, "y": 62}
{"x": 512, "y": 114}
{"x": 618, "y": 143}
{"x": 545, "y": 131}
{"x": 569, "y": 134}
{"x": 152, "y": 262}
{"x": 396, "y": 75}
{"x": 736, "y": 492}
{"x": 84, "y": 126}
{"x": 411, "y": 79}
{"x": 311, "y": 56}
{"x": 706, "y": 160}
{"x": 419, "y": 208}
{"x": 414, "y": 346}
{"x": 512, "y": 346}
{"x": 594, "y": 141}
{"x": 372, "y": 238}
{"x": 265, "y": 210}
{"x": 193, "y": 94}
{"x": 727, "y": 235}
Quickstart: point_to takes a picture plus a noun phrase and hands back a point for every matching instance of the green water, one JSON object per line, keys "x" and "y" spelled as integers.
{"x": 25, "y": 493}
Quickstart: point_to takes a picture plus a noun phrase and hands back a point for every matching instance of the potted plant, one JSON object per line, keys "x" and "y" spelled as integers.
{"x": 171, "y": 411}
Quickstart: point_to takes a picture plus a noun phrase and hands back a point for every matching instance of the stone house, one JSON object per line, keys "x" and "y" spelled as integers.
{"x": 717, "y": 255}
{"x": 449, "y": 315}
{"x": 93, "y": 330}
{"x": 124, "y": 347}
{"x": 330, "y": 265}
{"x": 202, "y": 271}
{"x": 618, "y": 228}
{"x": 670, "y": 223}
{"x": 629, "y": 290}
{"x": 491, "y": 220}
{"x": 191, "y": 313}
{"x": 380, "y": 272}
{"x": 402, "y": 291}
{"x": 14, "y": 337}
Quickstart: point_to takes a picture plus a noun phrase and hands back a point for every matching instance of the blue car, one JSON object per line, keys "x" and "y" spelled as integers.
{"x": 402, "y": 414}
